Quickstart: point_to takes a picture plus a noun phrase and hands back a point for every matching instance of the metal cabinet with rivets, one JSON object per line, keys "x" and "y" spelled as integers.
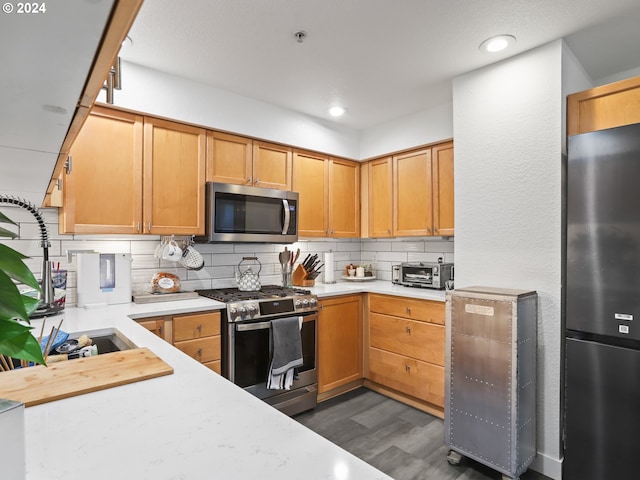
{"x": 490, "y": 377}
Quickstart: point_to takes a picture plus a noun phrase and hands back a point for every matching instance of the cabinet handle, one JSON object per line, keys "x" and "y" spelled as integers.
{"x": 68, "y": 165}
{"x": 407, "y": 330}
{"x": 138, "y": 227}
{"x": 408, "y": 311}
{"x": 257, "y": 181}
{"x": 199, "y": 353}
{"x": 407, "y": 368}
{"x": 428, "y": 230}
{"x": 199, "y": 328}
{"x": 435, "y": 231}
{"x": 388, "y": 231}
{"x": 250, "y": 180}
{"x": 149, "y": 226}
{"x": 160, "y": 334}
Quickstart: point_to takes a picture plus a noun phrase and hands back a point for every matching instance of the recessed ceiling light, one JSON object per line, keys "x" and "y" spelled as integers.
{"x": 497, "y": 43}
{"x": 337, "y": 111}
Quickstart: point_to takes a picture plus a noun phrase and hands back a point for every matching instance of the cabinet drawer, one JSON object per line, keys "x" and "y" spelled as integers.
{"x": 413, "y": 377}
{"x": 216, "y": 366}
{"x": 420, "y": 340}
{"x": 424, "y": 310}
{"x": 202, "y": 349}
{"x": 187, "y": 327}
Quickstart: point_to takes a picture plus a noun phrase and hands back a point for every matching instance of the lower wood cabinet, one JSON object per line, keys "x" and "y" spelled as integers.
{"x": 405, "y": 349}
{"x": 339, "y": 342}
{"x": 196, "y": 334}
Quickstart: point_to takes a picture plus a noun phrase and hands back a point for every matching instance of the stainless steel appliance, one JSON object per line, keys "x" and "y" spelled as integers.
{"x": 423, "y": 274}
{"x": 237, "y": 213}
{"x": 490, "y": 377}
{"x": 602, "y": 335}
{"x": 246, "y": 342}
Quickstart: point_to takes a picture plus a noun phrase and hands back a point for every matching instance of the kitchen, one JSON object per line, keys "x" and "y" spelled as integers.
{"x": 523, "y": 251}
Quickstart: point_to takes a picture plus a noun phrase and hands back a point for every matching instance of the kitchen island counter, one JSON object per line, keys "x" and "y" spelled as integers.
{"x": 192, "y": 424}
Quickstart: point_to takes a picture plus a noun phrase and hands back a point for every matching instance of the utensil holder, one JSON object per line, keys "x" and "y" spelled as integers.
{"x": 299, "y": 278}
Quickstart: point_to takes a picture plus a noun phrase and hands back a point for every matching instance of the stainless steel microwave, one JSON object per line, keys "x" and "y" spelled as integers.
{"x": 237, "y": 213}
{"x": 423, "y": 274}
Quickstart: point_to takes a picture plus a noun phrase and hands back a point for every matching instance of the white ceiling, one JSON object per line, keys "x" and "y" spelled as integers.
{"x": 381, "y": 59}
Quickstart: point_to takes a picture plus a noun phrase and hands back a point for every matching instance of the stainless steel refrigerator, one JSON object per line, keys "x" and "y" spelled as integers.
{"x": 602, "y": 324}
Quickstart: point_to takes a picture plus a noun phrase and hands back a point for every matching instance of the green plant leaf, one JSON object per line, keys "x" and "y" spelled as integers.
{"x": 16, "y": 341}
{"x": 11, "y": 263}
{"x": 7, "y": 233}
{"x": 30, "y": 304}
{"x": 11, "y": 301}
{"x": 5, "y": 219}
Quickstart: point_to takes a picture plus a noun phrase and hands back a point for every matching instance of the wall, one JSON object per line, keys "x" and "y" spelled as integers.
{"x": 429, "y": 126}
{"x": 221, "y": 260}
{"x": 507, "y": 122}
{"x": 162, "y": 94}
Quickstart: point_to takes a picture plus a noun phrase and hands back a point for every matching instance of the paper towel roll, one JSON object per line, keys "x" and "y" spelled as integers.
{"x": 329, "y": 267}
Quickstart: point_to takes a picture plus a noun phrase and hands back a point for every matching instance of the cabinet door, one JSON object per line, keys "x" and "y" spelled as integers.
{"x": 229, "y": 158}
{"x": 413, "y": 209}
{"x": 443, "y": 200}
{"x": 103, "y": 191}
{"x": 380, "y": 197}
{"x": 311, "y": 181}
{"x": 174, "y": 177}
{"x": 339, "y": 342}
{"x": 344, "y": 198}
{"x": 155, "y": 326}
{"x": 272, "y": 166}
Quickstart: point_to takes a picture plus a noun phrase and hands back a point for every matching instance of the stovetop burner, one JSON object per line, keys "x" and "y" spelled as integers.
{"x": 227, "y": 295}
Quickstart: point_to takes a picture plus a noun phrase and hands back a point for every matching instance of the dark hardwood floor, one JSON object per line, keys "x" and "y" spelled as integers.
{"x": 403, "y": 442}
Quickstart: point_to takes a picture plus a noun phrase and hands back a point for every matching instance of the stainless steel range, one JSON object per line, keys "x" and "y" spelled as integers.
{"x": 246, "y": 352}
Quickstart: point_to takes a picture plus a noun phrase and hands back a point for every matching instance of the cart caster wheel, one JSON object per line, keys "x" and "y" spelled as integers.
{"x": 454, "y": 458}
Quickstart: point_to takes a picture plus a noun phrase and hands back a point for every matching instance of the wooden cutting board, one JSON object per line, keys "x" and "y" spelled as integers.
{"x": 39, "y": 384}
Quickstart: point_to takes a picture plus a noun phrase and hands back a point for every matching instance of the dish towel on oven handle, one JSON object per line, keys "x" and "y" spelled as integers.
{"x": 286, "y": 348}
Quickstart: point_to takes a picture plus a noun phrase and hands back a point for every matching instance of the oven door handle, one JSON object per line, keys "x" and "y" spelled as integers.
{"x": 246, "y": 327}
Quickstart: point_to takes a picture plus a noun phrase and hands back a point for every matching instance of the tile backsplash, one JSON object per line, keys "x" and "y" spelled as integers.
{"x": 221, "y": 260}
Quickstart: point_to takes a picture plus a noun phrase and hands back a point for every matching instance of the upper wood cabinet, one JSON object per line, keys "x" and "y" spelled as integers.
{"x": 411, "y": 194}
{"x": 174, "y": 174}
{"x": 607, "y": 106}
{"x": 381, "y": 197}
{"x": 329, "y": 190}
{"x": 102, "y": 191}
{"x": 132, "y": 174}
{"x": 243, "y": 161}
{"x": 311, "y": 181}
{"x": 443, "y": 198}
{"x": 344, "y": 198}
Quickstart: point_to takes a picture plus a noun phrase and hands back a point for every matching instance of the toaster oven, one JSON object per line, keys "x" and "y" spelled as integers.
{"x": 423, "y": 274}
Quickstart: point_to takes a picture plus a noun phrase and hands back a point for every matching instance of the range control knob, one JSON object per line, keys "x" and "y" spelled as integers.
{"x": 252, "y": 308}
{"x": 233, "y": 311}
{"x": 305, "y": 303}
{"x": 297, "y": 304}
{"x": 313, "y": 302}
{"x": 243, "y": 310}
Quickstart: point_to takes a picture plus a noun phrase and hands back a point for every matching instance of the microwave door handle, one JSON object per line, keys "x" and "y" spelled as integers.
{"x": 287, "y": 216}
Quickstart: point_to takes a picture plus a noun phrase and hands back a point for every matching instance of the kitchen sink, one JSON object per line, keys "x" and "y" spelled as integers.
{"x": 108, "y": 340}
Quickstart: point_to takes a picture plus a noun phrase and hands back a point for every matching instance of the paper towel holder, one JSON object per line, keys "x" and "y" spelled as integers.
{"x": 329, "y": 267}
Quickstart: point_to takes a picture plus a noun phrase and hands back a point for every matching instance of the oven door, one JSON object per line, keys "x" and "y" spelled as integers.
{"x": 249, "y": 356}
{"x": 417, "y": 276}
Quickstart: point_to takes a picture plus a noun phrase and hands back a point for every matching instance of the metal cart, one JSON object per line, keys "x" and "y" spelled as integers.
{"x": 490, "y": 382}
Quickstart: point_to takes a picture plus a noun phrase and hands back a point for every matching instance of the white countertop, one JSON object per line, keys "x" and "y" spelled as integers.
{"x": 192, "y": 424}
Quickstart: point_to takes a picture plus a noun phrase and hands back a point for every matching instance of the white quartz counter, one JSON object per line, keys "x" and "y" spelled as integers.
{"x": 192, "y": 424}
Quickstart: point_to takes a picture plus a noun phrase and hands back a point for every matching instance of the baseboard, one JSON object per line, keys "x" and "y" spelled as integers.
{"x": 547, "y": 466}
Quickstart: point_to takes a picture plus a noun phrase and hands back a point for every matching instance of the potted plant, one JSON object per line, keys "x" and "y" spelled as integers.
{"x": 16, "y": 339}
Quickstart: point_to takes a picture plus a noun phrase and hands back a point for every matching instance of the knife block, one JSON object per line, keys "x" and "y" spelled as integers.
{"x": 299, "y": 278}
